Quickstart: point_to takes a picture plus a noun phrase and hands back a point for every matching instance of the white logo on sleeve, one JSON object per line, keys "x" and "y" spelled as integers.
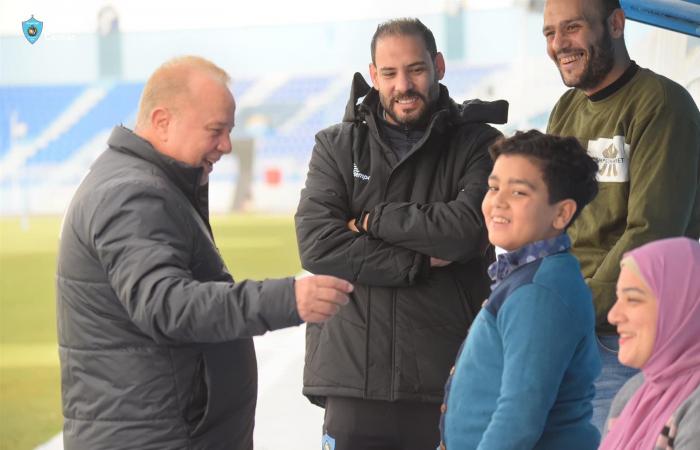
{"x": 613, "y": 158}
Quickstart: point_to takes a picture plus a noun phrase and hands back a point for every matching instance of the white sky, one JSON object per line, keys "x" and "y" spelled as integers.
{"x": 80, "y": 16}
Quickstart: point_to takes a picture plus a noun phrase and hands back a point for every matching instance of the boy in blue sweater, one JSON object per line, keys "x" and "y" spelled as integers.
{"x": 524, "y": 377}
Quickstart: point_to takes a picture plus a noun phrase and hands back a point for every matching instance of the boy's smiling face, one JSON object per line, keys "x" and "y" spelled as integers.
{"x": 516, "y": 206}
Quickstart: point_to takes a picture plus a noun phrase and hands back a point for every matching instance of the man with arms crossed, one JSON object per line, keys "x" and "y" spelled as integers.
{"x": 644, "y": 131}
{"x": 392, "y": 203}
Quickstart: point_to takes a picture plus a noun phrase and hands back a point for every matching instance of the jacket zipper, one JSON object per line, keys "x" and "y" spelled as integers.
{"x": 392, "y": 389}
{"x": 373, "y": 131}
{"x": 418, "y": 145}
{"x": 367, "y": 341}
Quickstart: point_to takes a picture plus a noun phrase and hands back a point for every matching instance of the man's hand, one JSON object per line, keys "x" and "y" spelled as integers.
{"x": 437, "y": 262}
{"x": 365, "y": 223}
{"x": 319, "y": 297}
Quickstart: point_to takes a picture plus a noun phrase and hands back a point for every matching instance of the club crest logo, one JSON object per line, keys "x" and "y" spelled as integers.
{"x": 32, "y": 29}
{"x": 612, "y": 156}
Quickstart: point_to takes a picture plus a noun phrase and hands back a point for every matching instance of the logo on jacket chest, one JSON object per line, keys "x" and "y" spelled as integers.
{"x": 357, "y": 174}
{"x": 612, "y": 156}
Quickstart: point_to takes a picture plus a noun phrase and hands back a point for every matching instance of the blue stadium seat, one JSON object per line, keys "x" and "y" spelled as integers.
{"x": 39, "y": 106}
{"x": 299, "y": 88}
{"x": 464, "y": 79}
{"x": 35, "y": 106}
{"x": 118, "y": 106}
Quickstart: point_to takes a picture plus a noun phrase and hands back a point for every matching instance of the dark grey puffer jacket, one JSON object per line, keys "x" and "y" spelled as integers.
{"x": 154, "y": 336}
{"x": 399, "y": 336}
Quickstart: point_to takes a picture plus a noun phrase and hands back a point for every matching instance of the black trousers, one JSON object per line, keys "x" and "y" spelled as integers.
{"x": 356, "y": 424}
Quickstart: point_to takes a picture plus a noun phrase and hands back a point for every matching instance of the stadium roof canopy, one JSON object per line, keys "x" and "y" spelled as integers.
{"x": 677, "y": 15}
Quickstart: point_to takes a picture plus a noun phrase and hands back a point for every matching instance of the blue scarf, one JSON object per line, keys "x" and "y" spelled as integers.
{"x": 506, "y": 263}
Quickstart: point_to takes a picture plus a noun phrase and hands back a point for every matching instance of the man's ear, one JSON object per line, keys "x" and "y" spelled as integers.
{"x": 373, "y": 75}
{"x": 616, "y": 23}
{"x": 439, "y": 66}
{"x": 161, "y": 120}
{"x": 565, "y": 211}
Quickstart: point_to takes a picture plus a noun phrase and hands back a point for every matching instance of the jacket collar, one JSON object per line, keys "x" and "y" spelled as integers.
{"x": 507, "y": 263}
{"x": 184, "y": 176}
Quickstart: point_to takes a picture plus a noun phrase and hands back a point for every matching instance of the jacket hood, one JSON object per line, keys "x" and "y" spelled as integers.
{"x": 469, "y": 111}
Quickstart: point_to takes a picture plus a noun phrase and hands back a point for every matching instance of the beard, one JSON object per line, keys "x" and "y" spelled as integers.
{"x": 601, "y": 58}
{"x": 417, "y": 117}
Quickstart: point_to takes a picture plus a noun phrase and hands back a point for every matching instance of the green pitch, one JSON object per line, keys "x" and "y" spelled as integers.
{"x": 30, "y": 405}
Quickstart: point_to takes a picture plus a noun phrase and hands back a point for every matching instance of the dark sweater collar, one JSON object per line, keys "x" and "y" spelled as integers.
{"x": 412, "y": 130}
{"x": 401, "y": 139}
{"x": 617, "y": 84}
{"x": 381, "y": 116}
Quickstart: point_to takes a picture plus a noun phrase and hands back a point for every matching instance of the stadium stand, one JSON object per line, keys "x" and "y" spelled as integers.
{"x": 32, "y": 107}
{"x": 50, "y": 134}
{"x": 117, "y": 106}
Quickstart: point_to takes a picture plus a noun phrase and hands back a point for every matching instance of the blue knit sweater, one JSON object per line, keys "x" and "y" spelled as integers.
{"x": 524, "y": 377}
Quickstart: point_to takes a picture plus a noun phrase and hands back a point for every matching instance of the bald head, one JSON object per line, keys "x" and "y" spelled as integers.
{"x": 170, "y": 86}
{"x": 598, "y": 9}
{"x": 606, "y": 7}
{"x": 187, "y": 112}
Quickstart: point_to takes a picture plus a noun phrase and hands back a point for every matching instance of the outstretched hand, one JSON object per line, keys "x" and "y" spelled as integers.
{"x": 319, "y": 297}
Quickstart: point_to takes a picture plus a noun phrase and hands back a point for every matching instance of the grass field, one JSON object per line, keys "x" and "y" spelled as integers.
{"x": 30, "y": 409}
